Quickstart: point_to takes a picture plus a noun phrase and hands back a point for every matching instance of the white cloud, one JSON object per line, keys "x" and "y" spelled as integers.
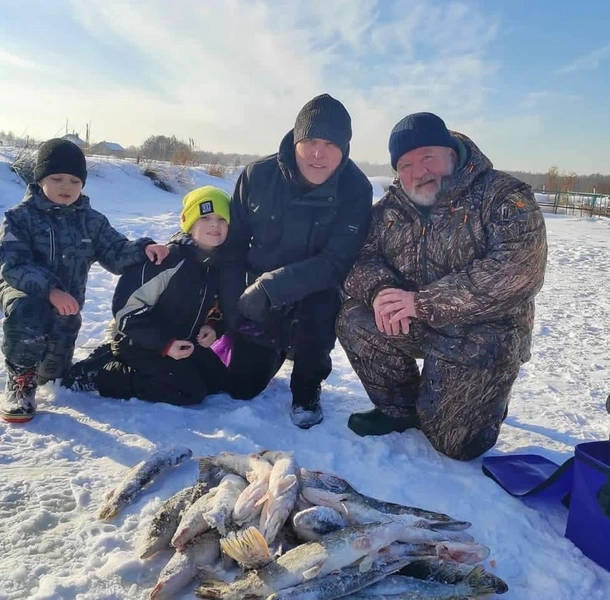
{"x": 232, "y": 74}
{"x": 11, "y": 60}
{"x": 588, "y": 62}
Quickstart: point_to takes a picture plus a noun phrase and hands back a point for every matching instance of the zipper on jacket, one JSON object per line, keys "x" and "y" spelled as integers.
{"x": 51, "y": 244}
{"x": 205, "y": 293}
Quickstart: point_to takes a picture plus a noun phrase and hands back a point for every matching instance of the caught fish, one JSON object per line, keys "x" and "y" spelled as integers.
{"x": 249, "y": 505}
{"x": 329, "y": 490}
{"x": 282, "y": 494}
{"x": 396, "y": 587}
{"x": 469, "y": 554}
{"x": 312, "y": 523}
{"x": 183, "y": 567}
{"x": 247, "y": 547}
{"x": 313, "y": 559}
{"x": 139, "y": 476}
{"x": 165, "y": 521}
{"x": 244, "y": 465}
{"x": 210, "y": 511}
{"x": 339, "y": 584}
{"x": 448, "y": 571}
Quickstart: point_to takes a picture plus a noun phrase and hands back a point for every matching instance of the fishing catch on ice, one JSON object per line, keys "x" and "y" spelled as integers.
{"x": 260, "y": 526}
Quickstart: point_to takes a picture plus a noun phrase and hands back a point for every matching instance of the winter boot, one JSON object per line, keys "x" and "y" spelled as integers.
{"x": 19, "y": 402}
{"x": 306, "y": 410}
{"x": 374, "y": 422}
{"x": 82, "y": 375}
{"x": 608, "y": 403}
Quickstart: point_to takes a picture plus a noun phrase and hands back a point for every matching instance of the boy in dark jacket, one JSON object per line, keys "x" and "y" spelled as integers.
{"x": 48, "y": 243}
{"x": 166, "y": 317}
{"x": 298, "y": 219}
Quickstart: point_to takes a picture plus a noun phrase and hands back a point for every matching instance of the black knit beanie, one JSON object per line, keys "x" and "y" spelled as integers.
{"x": 418, "y": 130}
{"x": 325, "y": 118}
{"x": 60, "y": 156}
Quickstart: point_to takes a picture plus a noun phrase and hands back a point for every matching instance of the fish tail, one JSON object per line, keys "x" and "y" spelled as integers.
{"x": 247, "y": 547}
{"x": 478, "y": 582}
{"x": 212, "y": 588}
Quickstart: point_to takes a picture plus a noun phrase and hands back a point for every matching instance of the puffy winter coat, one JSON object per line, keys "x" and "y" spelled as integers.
{"x": 44, "y": 245}
{"x": 153, "y": 305}
{"x": 477, "y": 261}
{"x": 306, "y": 238}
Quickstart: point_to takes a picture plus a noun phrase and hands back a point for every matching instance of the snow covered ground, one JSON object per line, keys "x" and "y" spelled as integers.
{"x": 55, "y": 470}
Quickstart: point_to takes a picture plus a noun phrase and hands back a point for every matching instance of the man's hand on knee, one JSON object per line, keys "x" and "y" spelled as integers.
{"x": 388, "y": 321}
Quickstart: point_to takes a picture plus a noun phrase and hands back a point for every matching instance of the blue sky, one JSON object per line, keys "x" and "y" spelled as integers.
{"x": 528, "y": 81}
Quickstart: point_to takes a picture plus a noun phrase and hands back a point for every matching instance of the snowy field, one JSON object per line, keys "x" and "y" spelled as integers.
{"x": 55, "y": 470}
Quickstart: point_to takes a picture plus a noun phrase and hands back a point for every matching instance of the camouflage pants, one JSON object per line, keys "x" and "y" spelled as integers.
{"x": 460, "y": 407}
{"x": 35, "y": 335}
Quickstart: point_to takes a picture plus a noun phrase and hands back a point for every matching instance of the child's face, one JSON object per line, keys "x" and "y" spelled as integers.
{"x": 209, "y": 231}
{"x": 61, "y": 188}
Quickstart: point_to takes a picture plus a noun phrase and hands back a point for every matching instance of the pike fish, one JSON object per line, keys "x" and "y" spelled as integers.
{"x": 139, "y": 476}
{"x": 341, "y": 583}
{"x": 313, "y": 559}
{"x": 325, "y": 489}
{"x": 396, "y": 587}
{"x": 184, "y": 567}
{"x": 448, "y": 571}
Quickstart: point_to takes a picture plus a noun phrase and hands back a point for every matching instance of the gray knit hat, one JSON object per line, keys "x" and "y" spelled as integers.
{"x": 60, "y": 156}
{"x": 325, "y": 118}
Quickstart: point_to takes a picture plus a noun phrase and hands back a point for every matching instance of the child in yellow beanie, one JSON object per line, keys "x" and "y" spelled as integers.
{"x": 167, "y": 316}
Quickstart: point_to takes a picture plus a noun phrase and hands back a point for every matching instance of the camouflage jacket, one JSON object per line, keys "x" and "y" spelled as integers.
{"x": 44, "y": 245}
{"x": 476, "y": 261}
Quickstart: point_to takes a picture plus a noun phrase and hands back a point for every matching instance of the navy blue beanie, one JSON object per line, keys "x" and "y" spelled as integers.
{"x": 325, "y": 118}
{"x": 418, "y": 130}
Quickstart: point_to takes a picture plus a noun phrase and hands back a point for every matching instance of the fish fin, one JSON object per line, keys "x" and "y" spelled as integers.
{"x": 212, "y": 588}
{"x": 262, "y": 499}
{"x": 476, "y": 579}
{"x": 287, "y": 483}
{"x": 366, "y": 563}
{"x": 313, "y": 571}
{"x": 248, "y": 547}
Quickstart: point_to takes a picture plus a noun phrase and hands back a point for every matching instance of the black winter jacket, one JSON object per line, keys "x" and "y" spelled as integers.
{"x": 154, "y": 305}
{"x": 305, "y": 239}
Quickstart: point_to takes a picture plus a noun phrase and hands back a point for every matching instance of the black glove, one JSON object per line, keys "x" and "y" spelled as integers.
{"x": 254, "y": 304}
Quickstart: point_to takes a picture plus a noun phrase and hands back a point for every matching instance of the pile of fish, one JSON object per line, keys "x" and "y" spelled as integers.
{"x": 259, "y": 526}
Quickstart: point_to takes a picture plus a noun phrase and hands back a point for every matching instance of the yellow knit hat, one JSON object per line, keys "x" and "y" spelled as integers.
{"x": 205, "y": 200}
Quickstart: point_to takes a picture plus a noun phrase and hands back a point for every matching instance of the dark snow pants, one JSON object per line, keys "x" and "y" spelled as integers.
{"x": 306, "y": 334}
{"x": 35, "y": 335}
{"x": 133, "y": 372}
{"x": 460, "y": 406}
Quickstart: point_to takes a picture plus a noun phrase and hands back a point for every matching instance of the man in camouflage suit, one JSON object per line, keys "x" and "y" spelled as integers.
{"x": 454, "y": 258}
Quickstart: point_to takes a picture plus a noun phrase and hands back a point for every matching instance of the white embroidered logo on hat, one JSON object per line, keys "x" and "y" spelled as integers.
{"x": 206, "y": 208}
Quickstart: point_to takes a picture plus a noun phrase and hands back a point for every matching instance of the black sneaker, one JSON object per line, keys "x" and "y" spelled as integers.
{"x": 19, "y": 402}
{"x": 374, "y": 422}
{"x": 306, "y": 410}
{"x": 82, "y": 375}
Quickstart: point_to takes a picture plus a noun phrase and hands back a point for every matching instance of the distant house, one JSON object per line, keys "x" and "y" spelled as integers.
{"x": 108, "y": 149}
{"x": 73, "y": 137}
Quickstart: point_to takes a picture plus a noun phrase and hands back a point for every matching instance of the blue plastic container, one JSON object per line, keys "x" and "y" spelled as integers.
{"x": 589, "y": 516}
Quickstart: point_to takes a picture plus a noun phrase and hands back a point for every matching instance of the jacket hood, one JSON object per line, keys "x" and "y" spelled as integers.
{"x": 35, "y": 196}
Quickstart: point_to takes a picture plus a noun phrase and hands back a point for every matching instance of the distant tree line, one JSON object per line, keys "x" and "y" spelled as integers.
{"x": 171, "y": 149}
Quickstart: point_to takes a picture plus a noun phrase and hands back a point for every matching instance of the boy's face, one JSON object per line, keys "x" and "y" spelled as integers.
{"x": 61, "y": 188}
{"x": 209, "y": 231}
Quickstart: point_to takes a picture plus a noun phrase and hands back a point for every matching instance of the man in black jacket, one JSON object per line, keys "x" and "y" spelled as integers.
{"x": 298, "y": 219}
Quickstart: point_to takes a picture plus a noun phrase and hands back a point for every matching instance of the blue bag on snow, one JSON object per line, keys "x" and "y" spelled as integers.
{"x": 582, "y": 483}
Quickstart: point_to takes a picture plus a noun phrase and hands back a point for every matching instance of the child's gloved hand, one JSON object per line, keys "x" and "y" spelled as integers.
{"x": 65, "y": 303}
{"x": 156, "y": 253}
{"x": 206, "y": 336}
